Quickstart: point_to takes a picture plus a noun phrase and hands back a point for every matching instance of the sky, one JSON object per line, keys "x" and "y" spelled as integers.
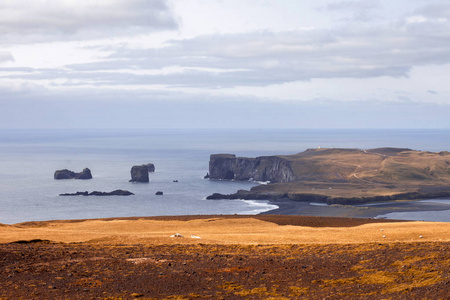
{"x": 224, "y": 64}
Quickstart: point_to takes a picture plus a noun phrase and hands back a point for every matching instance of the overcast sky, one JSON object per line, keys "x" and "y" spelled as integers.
{"x": 224, "y": 63}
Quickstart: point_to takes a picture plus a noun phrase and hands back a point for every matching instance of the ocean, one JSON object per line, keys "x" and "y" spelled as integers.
{"x": 29, "y": 158}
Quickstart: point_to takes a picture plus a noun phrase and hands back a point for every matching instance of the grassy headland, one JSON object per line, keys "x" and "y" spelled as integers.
{"x": 352, "y": 176}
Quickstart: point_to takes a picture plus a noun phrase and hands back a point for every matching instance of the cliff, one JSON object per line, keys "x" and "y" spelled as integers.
{"x": 339, "y": 176}
{"x": 264, "y": 168}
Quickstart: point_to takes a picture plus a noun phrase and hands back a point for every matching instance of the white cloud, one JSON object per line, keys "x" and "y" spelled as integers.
{"x": 6, "y": 56}
{"x": 28, "y": 21}
{"x": 266, "y": 58}
{"x": 435, "y": 9}
{"x": 355, "y": 52}
{"x": 416, "y": 19}
{"x": 361, "y": 11}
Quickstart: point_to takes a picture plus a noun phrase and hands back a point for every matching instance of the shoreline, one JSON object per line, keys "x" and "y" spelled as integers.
{"x": 368, "y": 210}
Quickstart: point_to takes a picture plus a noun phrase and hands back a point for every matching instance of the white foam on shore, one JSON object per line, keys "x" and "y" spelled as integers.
{"x": 379, "y": 203}
{"x": 259, "y": 206}
{"x": 440, "y": 201}
{"x": 317, "y": 204}
{"x": 262, "y": 182}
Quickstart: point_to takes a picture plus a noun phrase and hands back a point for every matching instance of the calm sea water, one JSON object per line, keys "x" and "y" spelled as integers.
{"x": 28, "y": 159}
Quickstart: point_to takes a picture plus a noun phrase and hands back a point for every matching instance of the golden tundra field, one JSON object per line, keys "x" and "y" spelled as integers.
{"x": 225, "y": 257}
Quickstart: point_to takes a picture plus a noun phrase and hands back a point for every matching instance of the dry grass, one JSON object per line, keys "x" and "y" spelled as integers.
{"x": 360, "y": 165}
{"x": 220, "y": 231}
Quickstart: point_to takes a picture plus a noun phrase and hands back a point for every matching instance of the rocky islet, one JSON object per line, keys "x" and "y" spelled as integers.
{"x": 138, "y": 174}
{"x": 67, "y": 174}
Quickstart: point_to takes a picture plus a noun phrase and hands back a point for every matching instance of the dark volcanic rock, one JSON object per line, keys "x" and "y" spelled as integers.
{"x": 85, "y": 174}
{"x": 246, "y": 195}
{"x": 151, "y": 168}
{"x": 96, "y": 193}
{"x": 76, "y": 194}
{"x": 67, "y": 174}
{"x": 263, "y": 168}
{"x": 139, "y": 174}
{"x": 303, "y": 197}
{"x": 159, "y": 193}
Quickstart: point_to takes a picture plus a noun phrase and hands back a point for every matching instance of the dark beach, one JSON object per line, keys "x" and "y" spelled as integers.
{"x": 369, "y": 210}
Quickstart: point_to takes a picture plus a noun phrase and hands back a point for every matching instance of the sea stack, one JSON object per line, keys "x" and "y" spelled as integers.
{"x": 139, "y": 174}
{"x": 151, "y": 168}
{"x": 67, "y": 174}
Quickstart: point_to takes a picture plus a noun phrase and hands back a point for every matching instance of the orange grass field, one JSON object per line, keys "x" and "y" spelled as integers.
{"x": 219, "y": 230}
{"x": 225, "y": 257}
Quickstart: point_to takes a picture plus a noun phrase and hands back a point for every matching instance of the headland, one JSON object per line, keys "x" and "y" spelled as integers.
{"x": 338, "y": 176}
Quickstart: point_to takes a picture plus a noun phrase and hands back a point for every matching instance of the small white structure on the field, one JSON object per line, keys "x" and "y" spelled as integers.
{"x": 176, "y": 235}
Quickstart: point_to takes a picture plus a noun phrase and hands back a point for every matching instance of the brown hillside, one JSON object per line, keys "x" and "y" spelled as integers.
{"x": 376, "y": 165}
{"x": 350, "y": 176}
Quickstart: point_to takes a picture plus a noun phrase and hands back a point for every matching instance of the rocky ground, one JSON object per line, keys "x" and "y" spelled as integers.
{"x": 40, "y": 269}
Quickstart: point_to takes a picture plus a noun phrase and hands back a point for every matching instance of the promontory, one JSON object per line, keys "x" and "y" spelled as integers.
{"x": 338, "y": 176}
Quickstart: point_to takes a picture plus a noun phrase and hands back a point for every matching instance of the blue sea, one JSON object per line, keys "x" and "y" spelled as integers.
{"x": 28, "y": 159}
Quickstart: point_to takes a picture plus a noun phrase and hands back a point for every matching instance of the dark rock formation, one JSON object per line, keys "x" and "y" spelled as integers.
{"x": 85, "y": 174}
{"x": 139, "y": 174}
{"x": 76, "y": 194}
{"x": 263, "y": 168}
{"x": 67, "y": 174}
{"x": 206, "y": 176}
{"x": 159, "y": 193}
{"x": 303, "y": 197}
{"x": 151, "y": 168}
{"x": 246, "y": 195}
{"x": 96, "y": 193}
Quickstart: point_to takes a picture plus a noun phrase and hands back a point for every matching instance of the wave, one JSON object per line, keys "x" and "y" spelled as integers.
{"x": 259, "y": 206}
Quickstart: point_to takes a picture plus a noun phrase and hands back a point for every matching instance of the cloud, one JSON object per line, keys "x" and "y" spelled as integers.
{"x": 361, "y": 11}
{"x": 39, "y": 21}
{"x": 432, "y": 92}
{"x": 35, "y": 107}
{"x": 265, "y": 58}
{"x": 255, "y": 59}
{"x": 439, "y": 10}
{"x": 346, "y": 5}
{"x": 6, "y": 56}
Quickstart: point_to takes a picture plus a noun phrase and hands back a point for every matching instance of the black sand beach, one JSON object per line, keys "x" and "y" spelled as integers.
{"x": 369, "y": 210}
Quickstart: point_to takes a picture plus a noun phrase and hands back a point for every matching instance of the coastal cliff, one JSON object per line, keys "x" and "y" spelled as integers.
{"x": 264, "y": 168}
{"x": 338, "y": 176}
